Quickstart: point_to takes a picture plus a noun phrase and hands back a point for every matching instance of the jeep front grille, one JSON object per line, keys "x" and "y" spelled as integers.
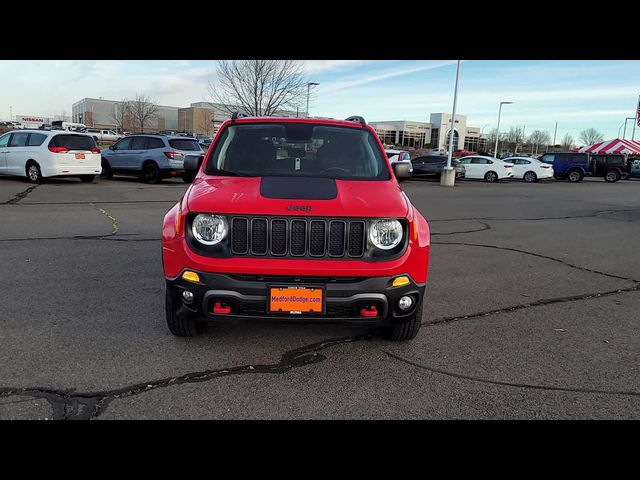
{"x": 297, "y": 237}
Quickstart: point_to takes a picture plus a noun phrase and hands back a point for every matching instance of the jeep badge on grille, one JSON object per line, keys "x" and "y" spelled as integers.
{"x": 300, "y": 208}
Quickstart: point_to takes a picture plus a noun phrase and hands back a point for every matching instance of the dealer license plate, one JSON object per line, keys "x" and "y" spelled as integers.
{"x": 296, "y": 300}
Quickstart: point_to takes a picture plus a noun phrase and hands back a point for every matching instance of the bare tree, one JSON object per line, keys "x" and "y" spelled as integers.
{"x": 538, "y": 138}
{"x": 514, "y": 137}
{"x": 121, "y": 115}
{"x": 567, "y": 142}
{"x": 259, "y": 87}
{"x": 591, "y": 136}
{"x": 142, "y": 111}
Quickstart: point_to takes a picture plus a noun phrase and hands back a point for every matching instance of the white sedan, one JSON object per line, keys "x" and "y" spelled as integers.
{"x": 36, "y": 154}
{"x": 530, "y": 170}
{"x": 488, "y": 168}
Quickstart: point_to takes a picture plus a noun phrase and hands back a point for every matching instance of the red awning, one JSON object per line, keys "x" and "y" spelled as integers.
{"x": 617, "y": 145}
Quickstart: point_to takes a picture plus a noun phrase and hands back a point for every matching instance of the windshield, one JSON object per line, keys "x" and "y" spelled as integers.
{"x": 298, "y": 149}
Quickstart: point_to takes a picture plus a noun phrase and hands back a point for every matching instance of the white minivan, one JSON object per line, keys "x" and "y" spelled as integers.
{"x": 37, "y": 154}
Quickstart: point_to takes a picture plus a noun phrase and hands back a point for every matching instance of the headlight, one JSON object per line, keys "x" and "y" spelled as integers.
{"x": 209, "y": 229}
{"x": 385, "y": 234}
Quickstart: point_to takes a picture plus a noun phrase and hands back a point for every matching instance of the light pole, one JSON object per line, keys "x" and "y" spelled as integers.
{"x": 10, "y": 113}
{"x": 633, "y": 135}
{"x": 495, "y": 150}
{"x": 625, "y": 125}
{"x": 448, "y": 175}
{"x": 309, "y": 85}
{"x": 620, "y": 128}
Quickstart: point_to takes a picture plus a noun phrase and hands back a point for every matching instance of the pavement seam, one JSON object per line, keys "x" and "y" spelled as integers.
{"x": 109, "y": 237}
{"x": 511, "y": 384}
{"x": 114, "y": 222}
{"x": 19, "y": 196}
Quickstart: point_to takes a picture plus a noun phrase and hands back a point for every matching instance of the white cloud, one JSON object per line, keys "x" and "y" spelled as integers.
{"x": 314, "y": 66}
{"x": 383, "y": 75}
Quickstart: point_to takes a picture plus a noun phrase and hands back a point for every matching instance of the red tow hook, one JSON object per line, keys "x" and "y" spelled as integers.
{"x": 218, "y": 308}
{"x": 371, "y": 311}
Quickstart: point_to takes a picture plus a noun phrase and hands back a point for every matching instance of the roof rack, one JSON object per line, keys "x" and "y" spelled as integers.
{"x": 357, "y": 119}
{"x": 236, "y": 115}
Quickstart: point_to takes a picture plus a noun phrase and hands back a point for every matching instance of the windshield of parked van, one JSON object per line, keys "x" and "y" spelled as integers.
{"x": 297, "y": 149}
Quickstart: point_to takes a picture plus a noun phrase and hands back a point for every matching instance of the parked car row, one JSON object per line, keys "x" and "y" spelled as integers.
{"x": 46, "y": 153}
{"x": 572, "y": 166}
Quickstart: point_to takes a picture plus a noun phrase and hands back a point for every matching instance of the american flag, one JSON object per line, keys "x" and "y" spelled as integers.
{"x": 638, "y": 112}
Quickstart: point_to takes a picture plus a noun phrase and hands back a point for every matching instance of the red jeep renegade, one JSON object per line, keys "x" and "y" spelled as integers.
{"x": 297, "y": 219}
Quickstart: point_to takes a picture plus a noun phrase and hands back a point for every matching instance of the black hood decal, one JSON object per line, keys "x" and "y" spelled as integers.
{"x": 299, "y": 188}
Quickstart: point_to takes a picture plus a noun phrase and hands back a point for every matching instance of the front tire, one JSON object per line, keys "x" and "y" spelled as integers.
{"x": 402, "y": 332}
{"x": 491, "y": 177}
{"x": 151, "y": 174}
{"x": 530, "y": 177}
{"x": 106, "y": 173}
{"x": 179, "y": 322}
{"x": 612, "y": 176}
{"x": 34, "y": 174}
{"x": 575, "y": 176}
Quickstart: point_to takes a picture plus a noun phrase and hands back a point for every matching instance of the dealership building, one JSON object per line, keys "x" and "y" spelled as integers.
{"x": 434, "y": 134}
{"x": 199, "y": 118}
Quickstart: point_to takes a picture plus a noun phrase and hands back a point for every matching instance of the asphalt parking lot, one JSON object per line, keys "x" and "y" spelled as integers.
{"x": 532, "y": 313}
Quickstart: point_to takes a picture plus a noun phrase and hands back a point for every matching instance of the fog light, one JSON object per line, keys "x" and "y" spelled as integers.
{"x": 405, "y": 302}
{"x": 400, "y": 281}
{"x": 187, "y": 296}
{"x": 191, "y": 276}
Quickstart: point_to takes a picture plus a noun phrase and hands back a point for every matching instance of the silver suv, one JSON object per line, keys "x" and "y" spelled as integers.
{"x": 152, "y": 157}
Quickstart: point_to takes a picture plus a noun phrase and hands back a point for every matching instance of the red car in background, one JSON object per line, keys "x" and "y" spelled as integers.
{"x": 461, "y": 153}
{"x": 272, "y": 229}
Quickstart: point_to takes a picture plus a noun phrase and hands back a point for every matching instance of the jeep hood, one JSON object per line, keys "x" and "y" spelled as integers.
{"x": 246, "y": 196}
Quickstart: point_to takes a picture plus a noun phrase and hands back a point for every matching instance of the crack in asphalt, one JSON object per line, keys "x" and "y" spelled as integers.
{"x": 546, "y": 257}
{"x": 103, "y": 202}
{"x": 67, "y": 405}
{"x": 541, "y": 302}
{"x": 536, "y": 303}
{"x": 19, "y": 196}
{"x": 485, "y": 226}
{"x": 109, "y": 237}
{"x": 597, "y": 213}
{"x": 511, "y": 384}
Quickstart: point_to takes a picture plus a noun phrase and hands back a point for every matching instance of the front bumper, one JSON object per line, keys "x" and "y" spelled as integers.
{"x": 344, "y": 297}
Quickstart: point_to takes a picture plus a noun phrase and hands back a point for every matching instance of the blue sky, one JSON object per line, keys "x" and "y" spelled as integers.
{"x": 577, "y": 94}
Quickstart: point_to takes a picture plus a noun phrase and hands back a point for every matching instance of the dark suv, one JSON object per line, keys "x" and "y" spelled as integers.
{"x": 574, "y": 166}
{"x": 611, "y": 167}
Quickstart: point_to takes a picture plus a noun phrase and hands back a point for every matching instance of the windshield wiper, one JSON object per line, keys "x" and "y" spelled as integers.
{"x": 223, "y": 173}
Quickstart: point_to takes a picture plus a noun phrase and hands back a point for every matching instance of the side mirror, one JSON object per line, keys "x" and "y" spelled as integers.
{"x": 192, "y": 163}
{"x": 401, "y": 169}
{"x": 112, "y": 147}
